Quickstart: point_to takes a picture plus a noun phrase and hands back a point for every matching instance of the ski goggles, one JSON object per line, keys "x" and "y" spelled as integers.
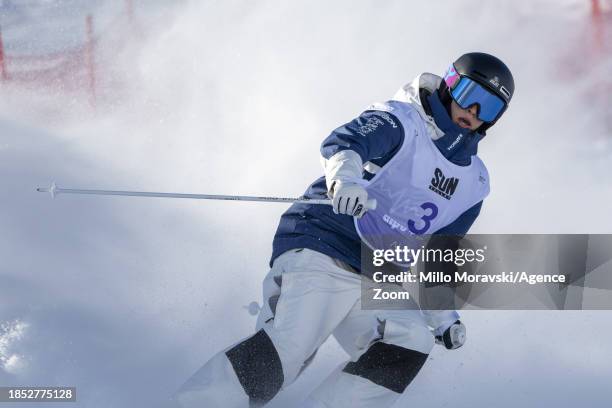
{"x": 467, "y": 92}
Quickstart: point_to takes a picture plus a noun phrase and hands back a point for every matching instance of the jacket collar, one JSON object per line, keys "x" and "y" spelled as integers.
{"x": 410, "y": 93}
{"x": 458, "y": 145}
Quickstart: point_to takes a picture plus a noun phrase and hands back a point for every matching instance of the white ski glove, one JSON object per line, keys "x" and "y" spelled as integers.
{"x": 453, "y": 337}
{"x": 348, "y": 198}
{"x": 343, "y": 172}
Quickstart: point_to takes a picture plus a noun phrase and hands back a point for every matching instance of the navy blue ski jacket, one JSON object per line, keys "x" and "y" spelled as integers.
{"x": 317, "y": 227}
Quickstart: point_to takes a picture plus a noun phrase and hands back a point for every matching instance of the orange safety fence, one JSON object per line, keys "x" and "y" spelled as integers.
{"x": 587, "y": 60}
{"x": 601, "y": 19}
{"x": 68, "y": 70}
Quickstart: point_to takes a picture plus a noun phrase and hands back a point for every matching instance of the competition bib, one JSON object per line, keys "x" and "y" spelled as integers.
{"x": 418, "y": 191}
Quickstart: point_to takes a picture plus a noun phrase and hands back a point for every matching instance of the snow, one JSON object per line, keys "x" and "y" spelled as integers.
{"x": 10, "y": 333}
{"x": 125, "y": 298}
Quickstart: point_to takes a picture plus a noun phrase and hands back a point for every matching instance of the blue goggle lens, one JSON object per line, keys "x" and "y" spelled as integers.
{"x": 467, "y": 93}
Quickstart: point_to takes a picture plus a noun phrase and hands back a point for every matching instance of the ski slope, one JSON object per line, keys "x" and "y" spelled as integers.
{"x": 125, "y": 298}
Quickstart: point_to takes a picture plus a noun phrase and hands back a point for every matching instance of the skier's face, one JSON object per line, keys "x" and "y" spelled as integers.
{"x": 465, "y": 118}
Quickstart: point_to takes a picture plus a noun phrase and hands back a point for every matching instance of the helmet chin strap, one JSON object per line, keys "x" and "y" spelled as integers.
{"x": 445, "y": 97}
{"x": 482, "y": 129}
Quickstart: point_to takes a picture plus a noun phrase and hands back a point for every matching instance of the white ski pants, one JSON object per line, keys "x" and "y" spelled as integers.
{"x": 309, "y": 296}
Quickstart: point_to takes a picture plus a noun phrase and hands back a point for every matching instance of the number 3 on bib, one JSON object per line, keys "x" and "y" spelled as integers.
{"x": 427, "y": 218}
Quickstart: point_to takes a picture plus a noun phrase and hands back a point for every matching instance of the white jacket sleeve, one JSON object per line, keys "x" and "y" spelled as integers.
{"x": 346, "y": 165}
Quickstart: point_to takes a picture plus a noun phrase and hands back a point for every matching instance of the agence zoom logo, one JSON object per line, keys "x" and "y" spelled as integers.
{"x": 442, "y": 185}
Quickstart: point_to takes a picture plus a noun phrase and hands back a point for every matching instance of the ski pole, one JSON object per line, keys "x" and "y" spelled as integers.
{"x": 55, "y": 190}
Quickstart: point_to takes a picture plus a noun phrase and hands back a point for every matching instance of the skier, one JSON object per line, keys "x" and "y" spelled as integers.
{"x": 430, "y": 129}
